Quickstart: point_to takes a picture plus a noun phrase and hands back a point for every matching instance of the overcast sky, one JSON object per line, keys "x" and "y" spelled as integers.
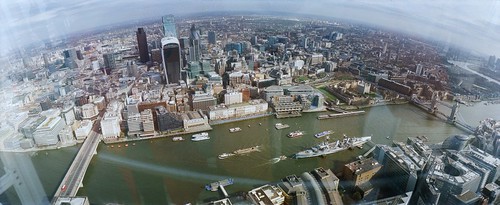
{"x": 470, "y": 23}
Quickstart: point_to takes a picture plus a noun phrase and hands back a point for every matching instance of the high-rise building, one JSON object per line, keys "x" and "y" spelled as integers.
{"x": 70, "y": 58}
{"x": 109, "y": 60}
{"x": 234, "y": 46}
{"x": 419, "y": 70}
{"x": 211, "y": 37}
{"x": 169, "y": 29}
{"x": 142, "y": 43}
{"x": 171, "y": 57}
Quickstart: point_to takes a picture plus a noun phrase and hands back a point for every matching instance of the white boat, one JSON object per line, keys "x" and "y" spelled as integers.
{"x": 322, "y": 134}
{"x": 295, "y": 134}
{"x": 177, "y": 139}
{"x": 225, "y": 155}
{"x": 280, "y": 126}
{"x": 235, "y": 129}
{"x": 200, "y": 137}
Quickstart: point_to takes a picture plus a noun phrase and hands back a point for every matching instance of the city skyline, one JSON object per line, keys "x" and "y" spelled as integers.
{"x": 465, "y": 24}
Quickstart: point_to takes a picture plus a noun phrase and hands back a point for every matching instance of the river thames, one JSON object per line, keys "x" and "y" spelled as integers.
{"x": 164, "y": 172}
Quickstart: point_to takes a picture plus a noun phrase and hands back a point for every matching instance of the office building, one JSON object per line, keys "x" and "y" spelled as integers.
{"x": 238, "y": 46}
{"x": 142, "y": 44}
{"x": 70, "y": 58}
{"x": 47, "y": 132}
{"x": 134, "y": 123}
{"x": 212, "y": 38}
{"x": 253, "y": 107}
{"x": 361, "y": 171}
{"x": 171, "y": 58}
{"x": 194, "y": 120}
{"x": 167, "y": 121}
{"x": 233, "y": 98}
{"x": 267, "y": 194}
{"x": 84, "y": 129}
{"x": 110, "y": 125}
{"x": 89, "y": 111}
{"x": 202, "y": 101}
{"x": 109, "y": 60}
{"x": 147, "y": 121}
{"x": 169, "y": 28}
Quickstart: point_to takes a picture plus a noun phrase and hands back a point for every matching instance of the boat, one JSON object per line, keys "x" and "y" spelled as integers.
{"x": 260, "y": 123}
{"x": 247, "y": 150}
{"x": 283, "y": 157}
{"x": 325, "y": 148}
{"x": 126, "y": 145}
{"x": 295, "y": 134}
{"x": 200, "y": 137}
{"x": 133, "y": 144}
{"x": 225, "y": 155}
{"x": 322, "y": 134}
{"x": 280, "y": 126}
{"x": 235, "y": 129}
{"x": 177, "y": 139}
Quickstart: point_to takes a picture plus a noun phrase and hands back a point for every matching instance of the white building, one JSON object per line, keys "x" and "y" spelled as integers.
{"x": 84, "y": 129}
{"x": 233, "y": 98}
{"x": 267, "y": 194}
{"x": 89, "y": 111}
{"x": 47, "y": 132}
{"x": 110, "y": 125}
{"x": 194, "y": 119}
{"x": 66, "y": 135}
{"x": 134, "y": 123}
{"x": 253, "y": 107}
{"x": 147, "y": 121}
{"x": 11, "y": 139}
{"x": 68, "y": 114}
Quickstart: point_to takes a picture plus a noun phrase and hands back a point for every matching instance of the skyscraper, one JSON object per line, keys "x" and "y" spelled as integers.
{"x": 169, "y": 29}
{"x": 109, "y": 60}
{"x": 70, "y": 58}
{"x": 142, "y": 45}
{"x": 211, "y": 37}
{"x": 171, "y": 57}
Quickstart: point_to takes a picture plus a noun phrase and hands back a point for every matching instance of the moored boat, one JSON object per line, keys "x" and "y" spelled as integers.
{"x": 325, "y": 148}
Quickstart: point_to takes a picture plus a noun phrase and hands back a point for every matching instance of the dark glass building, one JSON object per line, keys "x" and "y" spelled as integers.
{"x": 171, "y": 58}
{"x": 211, "y": 37}
{"x": 142, "y": 45}
{"x": 167, "y": 120}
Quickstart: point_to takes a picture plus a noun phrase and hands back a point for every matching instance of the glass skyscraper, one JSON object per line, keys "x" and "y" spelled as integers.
{"x": 169, "y": 29}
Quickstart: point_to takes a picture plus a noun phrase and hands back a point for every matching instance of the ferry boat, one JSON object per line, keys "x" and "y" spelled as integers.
{"x": 325, "y": 148}
{"x": 177, "y": 139}
{"x": 280, "y": 126}
{"x": 200, "y": 137}
{"x": 295, "y": 134}
{"x": 235, "y": 129}
{"x": 225, "y": 155}
{"x": 322, "y": 134}
{"x": 247, "y": 150}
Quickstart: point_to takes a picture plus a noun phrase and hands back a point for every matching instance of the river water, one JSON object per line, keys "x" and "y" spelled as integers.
{"x": 164, "y": 172}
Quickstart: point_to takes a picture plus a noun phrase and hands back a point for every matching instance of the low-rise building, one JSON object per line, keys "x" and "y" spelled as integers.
{"x": 253, "y": 107}
{"x": 84, "y": 129}
{"x": 194, "y": 119}
{"x": 267, "y": 194}
{"x": 110, "y": 125}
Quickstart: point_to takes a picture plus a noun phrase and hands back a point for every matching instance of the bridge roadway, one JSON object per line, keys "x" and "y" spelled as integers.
{"x": 73, "y": 179}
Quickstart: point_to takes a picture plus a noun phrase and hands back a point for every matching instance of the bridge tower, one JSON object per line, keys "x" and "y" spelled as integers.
{"x": 454, "y": 111}
{"x": 432, "y": 108}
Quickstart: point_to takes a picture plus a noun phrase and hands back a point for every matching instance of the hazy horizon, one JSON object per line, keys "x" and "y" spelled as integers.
{"x": 467, "y": 24}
